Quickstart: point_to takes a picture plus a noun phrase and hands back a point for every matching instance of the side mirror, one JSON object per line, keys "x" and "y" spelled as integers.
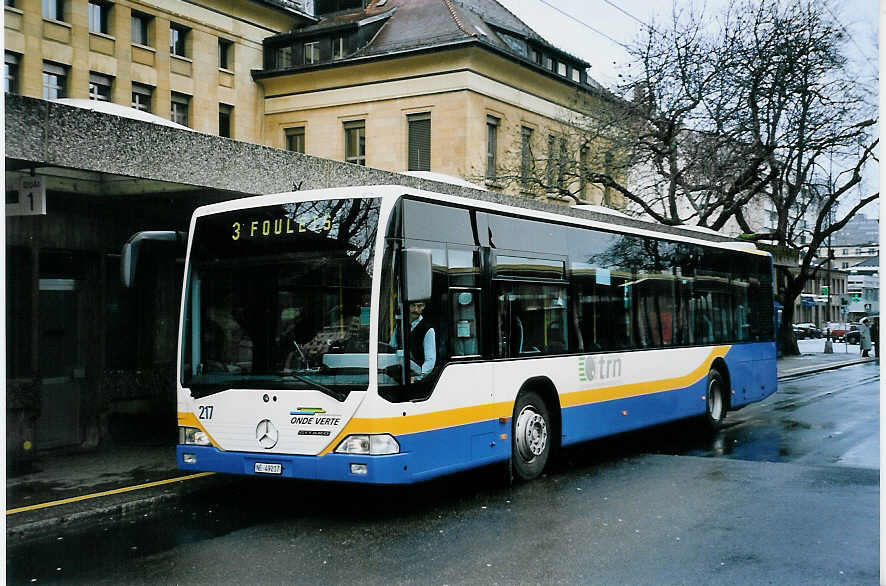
{"x": 129, "y": 254}
{"x": 417, "y": 267}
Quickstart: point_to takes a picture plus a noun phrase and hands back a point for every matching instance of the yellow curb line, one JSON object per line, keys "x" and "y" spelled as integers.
{"x": 106, "y": 493}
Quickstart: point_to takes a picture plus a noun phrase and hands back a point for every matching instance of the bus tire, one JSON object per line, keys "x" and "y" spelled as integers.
{"x": 716, "y": 400}
{"x": 531, "y": 434}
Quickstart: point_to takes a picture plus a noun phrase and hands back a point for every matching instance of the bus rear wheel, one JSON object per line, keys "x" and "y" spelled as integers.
{"x": 531, "y": 434}
{"x": 716, "y": 399}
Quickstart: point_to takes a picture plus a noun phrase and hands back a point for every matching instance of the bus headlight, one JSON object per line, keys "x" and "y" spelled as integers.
{"x": 191, "y": 436}
{"x": 370, "y": 445}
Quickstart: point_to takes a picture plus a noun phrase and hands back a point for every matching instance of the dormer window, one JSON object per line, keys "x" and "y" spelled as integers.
{"x": 312, "y": 52}
{"x": 338, "y": 48}
{"x": 515, "y": 44}
{"x": 328, "y": 6}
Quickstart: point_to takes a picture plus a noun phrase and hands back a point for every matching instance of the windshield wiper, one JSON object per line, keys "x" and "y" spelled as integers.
{"x": 339, "y": 395}
{"x": 204, "y": 389}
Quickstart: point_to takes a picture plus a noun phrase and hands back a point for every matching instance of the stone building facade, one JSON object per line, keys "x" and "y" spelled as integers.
{"x": 466, "y": 88}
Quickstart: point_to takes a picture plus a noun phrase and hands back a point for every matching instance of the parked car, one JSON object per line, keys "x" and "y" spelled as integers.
{"x": 807, "y": 330}
{"x": 838, "y": 330}
{"x": 812, "y": 330}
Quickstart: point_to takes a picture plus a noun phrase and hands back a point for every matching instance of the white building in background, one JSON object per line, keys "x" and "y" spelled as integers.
{"x": 863, "y": 289}
{"x": 847, "y": 256}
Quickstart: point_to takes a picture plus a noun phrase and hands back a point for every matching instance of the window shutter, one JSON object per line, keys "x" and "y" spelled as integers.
{"x": 420, "y": 142}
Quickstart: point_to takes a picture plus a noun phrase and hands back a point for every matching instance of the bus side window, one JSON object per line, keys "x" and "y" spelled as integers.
{"x": 532, "y": 319}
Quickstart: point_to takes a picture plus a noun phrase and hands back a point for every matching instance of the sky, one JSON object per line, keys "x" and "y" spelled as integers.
{"x": 598, "y": 30}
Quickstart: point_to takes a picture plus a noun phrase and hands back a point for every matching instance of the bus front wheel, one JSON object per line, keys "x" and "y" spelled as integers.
{"x": 716, "y": 400}
{"x": 531, "y": 444}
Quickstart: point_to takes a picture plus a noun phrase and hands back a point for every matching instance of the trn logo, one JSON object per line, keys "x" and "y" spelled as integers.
{"x": 592, "y": 368}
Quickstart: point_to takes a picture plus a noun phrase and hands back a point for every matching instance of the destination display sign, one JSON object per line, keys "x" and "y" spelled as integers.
{"x": 265, "y": 228}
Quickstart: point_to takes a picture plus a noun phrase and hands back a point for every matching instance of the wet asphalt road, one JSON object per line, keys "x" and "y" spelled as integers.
{"x": 787, "y": 493}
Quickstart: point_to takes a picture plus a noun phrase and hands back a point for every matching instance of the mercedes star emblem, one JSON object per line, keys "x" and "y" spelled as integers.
{"x": 266, "y": 434}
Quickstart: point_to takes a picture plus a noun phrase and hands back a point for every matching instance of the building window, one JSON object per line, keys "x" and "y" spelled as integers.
{"x": 54, "y": 9}
{"x": 225, "y": 115}
{"x": 338, "y": 48}
{"x": 54, "y": 81}
{"x": 549, "y": 63}
{"x": 561, "y": 69}
{"x": 525, "y": 155}
{"x": 517, "y": 45}
{"x": 355, "y": 142}
{"x": 312, "y": 52}
{"x": 179, "y": 108}
{"x": 140, "y": 24}
{"x": 419, "y": 142}
{"x": 99, "y": 87}
{"x": 141, "y": 97}
{"x": 98, "y": 17}
{"x": 576, "y": 75}
{"x": 295, "y": 139}
{"x": 549, "y": 164}
{"x": 491, "y": 146}
{"x": 327, "y": 6}
{"x": 282, "y": 57}
{"x": 562, "y": 160}
{"x": 11, "y": 72}
{"x": 225, "y": 54}
{"x": 178, "y": 36}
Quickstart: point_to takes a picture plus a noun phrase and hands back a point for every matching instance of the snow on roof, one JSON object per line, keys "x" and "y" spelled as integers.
{"x": 120, "y": 110}
{"x": 443, "y": 178}
{"x": 600, "y": 210}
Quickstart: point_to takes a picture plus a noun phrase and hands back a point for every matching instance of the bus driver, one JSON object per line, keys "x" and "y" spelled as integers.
{"x": 422, "y": 341}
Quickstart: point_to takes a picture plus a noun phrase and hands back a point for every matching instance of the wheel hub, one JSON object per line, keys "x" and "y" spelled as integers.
{"x": 715, "y": 401}
{"x": 531, "y": 434}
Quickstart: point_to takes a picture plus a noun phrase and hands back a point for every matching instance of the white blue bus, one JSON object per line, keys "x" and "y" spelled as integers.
{"x": 524, "y": 331}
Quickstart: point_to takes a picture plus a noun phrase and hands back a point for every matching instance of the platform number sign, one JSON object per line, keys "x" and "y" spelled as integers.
{"x": 26, "y": 196}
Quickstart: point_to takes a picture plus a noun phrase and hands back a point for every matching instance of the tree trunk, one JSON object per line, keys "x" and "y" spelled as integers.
{"x": 789, "y": 289}
{"x": 785, "y": 338}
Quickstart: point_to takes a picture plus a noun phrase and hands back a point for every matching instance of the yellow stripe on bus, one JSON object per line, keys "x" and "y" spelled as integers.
{"x": 645, "y": 388}
{"x": 190, "y": 420}
{"x": 425, "y": 422}
{"x": 466, "y": 415}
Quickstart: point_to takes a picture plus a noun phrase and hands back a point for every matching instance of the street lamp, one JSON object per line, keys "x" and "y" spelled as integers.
{"x": 828, "y": 344}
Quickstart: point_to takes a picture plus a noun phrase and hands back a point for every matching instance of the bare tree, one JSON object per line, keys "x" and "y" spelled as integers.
{"x": 811, "y": 119}
{"x": 753, "y": 109}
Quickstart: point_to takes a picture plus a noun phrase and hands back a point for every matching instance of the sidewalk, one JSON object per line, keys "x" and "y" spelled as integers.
{"x": 119, "y": 482}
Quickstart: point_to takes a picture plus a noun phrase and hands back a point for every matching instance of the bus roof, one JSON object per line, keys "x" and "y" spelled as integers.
{"x": 489, "y": 201}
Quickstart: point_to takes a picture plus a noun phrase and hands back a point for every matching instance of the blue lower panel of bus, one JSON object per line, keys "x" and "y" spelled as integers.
{"x": 587, "y": 422}
{"x": 423, "y": 456}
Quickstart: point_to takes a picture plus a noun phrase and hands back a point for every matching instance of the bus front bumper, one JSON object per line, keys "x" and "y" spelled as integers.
{"x": 391, "y": 469}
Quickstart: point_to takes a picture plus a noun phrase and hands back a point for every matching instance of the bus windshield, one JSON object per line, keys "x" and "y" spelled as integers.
{"x": 278, "y": 298}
